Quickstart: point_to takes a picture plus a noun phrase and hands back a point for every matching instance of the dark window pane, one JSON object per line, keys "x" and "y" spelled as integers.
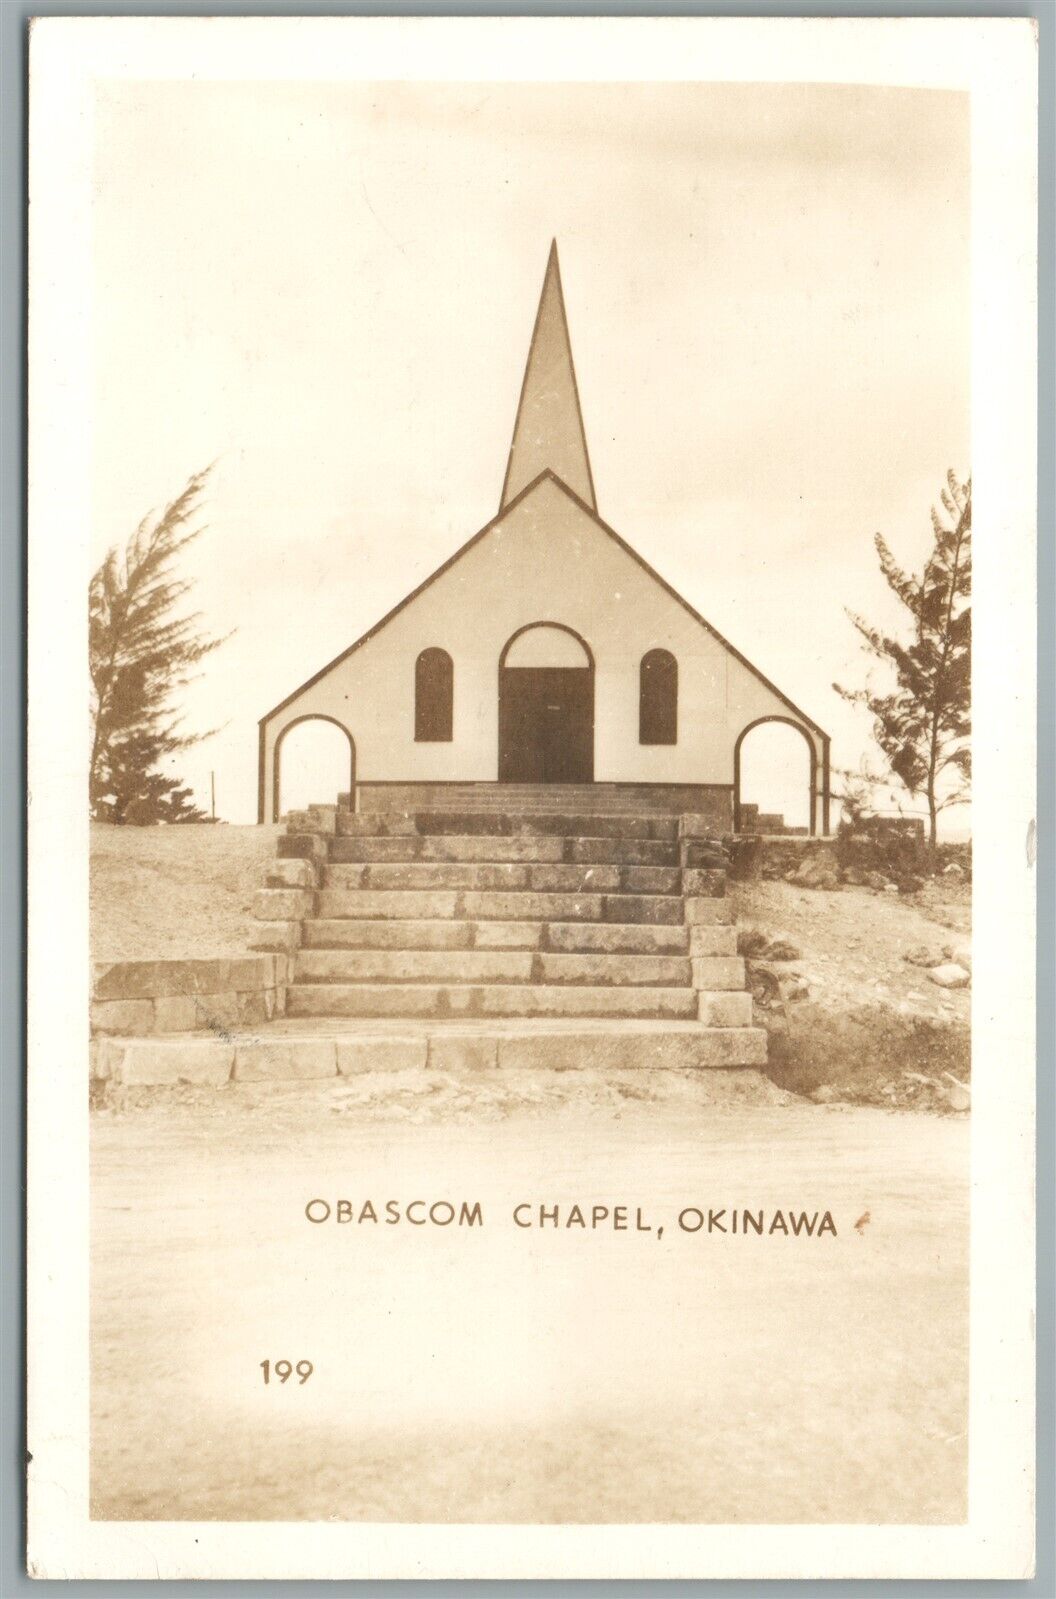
{"x": 658, "y": 699}
{"x": 434, "y": 681}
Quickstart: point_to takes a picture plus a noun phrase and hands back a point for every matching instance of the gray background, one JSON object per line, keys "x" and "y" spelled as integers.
{"x": 13, "y": 32}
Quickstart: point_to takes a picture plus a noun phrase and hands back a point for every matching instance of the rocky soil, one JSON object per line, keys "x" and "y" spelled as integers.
{"x": 854, "y": 986}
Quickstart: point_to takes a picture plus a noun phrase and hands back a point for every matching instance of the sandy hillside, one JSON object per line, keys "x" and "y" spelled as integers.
{"x": 857, "y": 1007}
{"x": 167, "y": 892}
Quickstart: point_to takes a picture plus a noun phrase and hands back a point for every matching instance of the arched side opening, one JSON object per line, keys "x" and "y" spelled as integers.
{"x": 771, "y": 779}
{"x": 658, "y": 698}
{"x": 434, "y": 697}
{"x": 546, "y": 706}
{"x": 314, "y": 766}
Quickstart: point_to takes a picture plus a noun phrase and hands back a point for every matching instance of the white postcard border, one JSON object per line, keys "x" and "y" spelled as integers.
{"x": 995, "y": 60}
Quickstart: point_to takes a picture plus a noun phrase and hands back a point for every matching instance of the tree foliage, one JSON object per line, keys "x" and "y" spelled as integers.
{"x": 141, "y": 653}
{"x": 923, "y": 724}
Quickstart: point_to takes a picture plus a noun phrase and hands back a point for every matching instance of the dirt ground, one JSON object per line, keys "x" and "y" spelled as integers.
{"x": 858, "y": 1018}
{"x": 175, "y": 892}
{"x": 501, "y": 1374}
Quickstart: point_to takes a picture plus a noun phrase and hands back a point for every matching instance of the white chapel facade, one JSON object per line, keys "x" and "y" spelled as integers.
{"x": 544, "y": 651}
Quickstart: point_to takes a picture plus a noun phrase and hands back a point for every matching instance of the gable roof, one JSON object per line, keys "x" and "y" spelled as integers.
{"x": 464, "y": 549}
{"x": 548, "y": 431}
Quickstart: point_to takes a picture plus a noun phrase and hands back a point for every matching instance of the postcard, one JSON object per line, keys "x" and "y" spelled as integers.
{"x": 531, "y": 804}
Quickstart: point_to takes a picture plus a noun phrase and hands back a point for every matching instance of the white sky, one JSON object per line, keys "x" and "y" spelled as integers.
{"x": 329, "y": 290}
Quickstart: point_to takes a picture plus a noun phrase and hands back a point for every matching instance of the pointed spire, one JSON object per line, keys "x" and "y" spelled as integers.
{"x": 549, "y": 427}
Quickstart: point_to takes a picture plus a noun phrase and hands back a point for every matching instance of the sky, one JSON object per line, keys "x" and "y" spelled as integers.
{"x": 328, "y": 291}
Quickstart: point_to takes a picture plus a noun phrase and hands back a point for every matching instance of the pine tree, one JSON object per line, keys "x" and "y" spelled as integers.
{"x": 140, "y": 654}
{"x": 923, "y": 726}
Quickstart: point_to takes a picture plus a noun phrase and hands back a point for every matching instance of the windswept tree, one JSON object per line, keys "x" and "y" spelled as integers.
{"x": 141, "y": 654}
{"x": 923, "y": 723}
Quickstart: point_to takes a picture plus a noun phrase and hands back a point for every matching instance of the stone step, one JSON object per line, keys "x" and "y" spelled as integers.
{"x": 438, "y": 999}
{"x": 561, "y": 824}
{"x": 292, "y": 1051}
{"x": 732, "y": 1008}
{"x": 545, "y": 878}
{"x": 714, "y": 973}
{"x": 411, "y": 905}
{"x": 616, "y": 938}
{"x": 475, "y": 966}
{"x": 664, "y": 798}
{"x": 496, "y": 847}
{"x": 720, "y": 939}
{"x": 601, "y": 937}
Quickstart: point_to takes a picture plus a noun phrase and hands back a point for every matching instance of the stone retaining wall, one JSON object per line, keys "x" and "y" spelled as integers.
{"x": 136, "y": 998}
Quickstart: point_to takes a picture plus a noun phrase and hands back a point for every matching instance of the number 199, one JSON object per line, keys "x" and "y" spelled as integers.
{"x": 284, "y": 1370}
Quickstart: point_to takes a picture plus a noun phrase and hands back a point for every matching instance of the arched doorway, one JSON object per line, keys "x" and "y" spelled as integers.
{"x": 546, "y": 706}
{"x": 775, "y": 777}
{"x": 314, "y": 762}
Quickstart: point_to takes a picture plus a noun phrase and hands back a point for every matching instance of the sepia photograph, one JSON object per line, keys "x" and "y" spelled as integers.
{"x": 527, "y": 805}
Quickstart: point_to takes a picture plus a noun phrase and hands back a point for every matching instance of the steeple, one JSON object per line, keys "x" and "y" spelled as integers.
{"x": 548, "y": 431}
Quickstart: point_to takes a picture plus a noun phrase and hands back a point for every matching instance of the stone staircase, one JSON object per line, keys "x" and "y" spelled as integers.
{"x": 502, "y": 921}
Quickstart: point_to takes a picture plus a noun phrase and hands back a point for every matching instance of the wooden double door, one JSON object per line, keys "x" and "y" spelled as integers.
{"x": 546, "y": 724}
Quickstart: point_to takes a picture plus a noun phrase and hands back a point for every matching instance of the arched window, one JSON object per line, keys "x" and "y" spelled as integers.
{"x": 434, "y": 683}
{"x": 658, "y": 698}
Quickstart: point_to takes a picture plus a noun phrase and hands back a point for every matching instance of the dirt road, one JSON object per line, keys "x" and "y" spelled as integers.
{"x": 494, "y": 1372}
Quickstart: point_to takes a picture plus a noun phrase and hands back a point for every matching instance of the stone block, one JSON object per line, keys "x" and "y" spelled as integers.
{"x": 252, "y": 1008}
{"x": 219, "y": 1011}
{"x": 176, "y": 1013}
{"x": 730, "y": 1009}
{"x": 363, "y": 999}
{"x": 285, "y": 1060}
{"x": 718, "y": 972}
{"x": 701, "y": 911}
{"x": 618, "y": 1049}
{"x": 358, "y": 934}
{"x": 695, "y": 825}
{"x": 577, "y": 878}
{"x": 605, "y": 938}
{"x": 126, "y": 1016}
{"x": 531, "y": 907}
{"x": 708, "y": 884}
{"x": 149, "y": 979}
{"x": 302, "y": 846}
{"x": 650, "y": 880}
{"x": 675, "y": 1004}
{"x": 297, "y": 873}
{"x": 323, "y": 818}
{"x": 713, "y": 939}
{"x": 472, "y": 1052}
{"x": 506, "y": 935}
{"x": 377, "y": 905}
{"x": 207, "y": 1061}
{"x": 104, "y": 1056}
{"x": 283, "y": 904}
{"x": 380, "y": 1054}
{"x": 282, "y": 937}
{"x": 375, "y": 824}
{"x": 703, "y": 853}
{"x": 655, "y": 908}
{"x": 628, "y": 851}
{"x": 414, "y": 966}
{"x": 601, "y": 970}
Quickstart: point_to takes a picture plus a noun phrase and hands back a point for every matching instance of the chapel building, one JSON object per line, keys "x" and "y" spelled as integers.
{"x": 545, "y": 651}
